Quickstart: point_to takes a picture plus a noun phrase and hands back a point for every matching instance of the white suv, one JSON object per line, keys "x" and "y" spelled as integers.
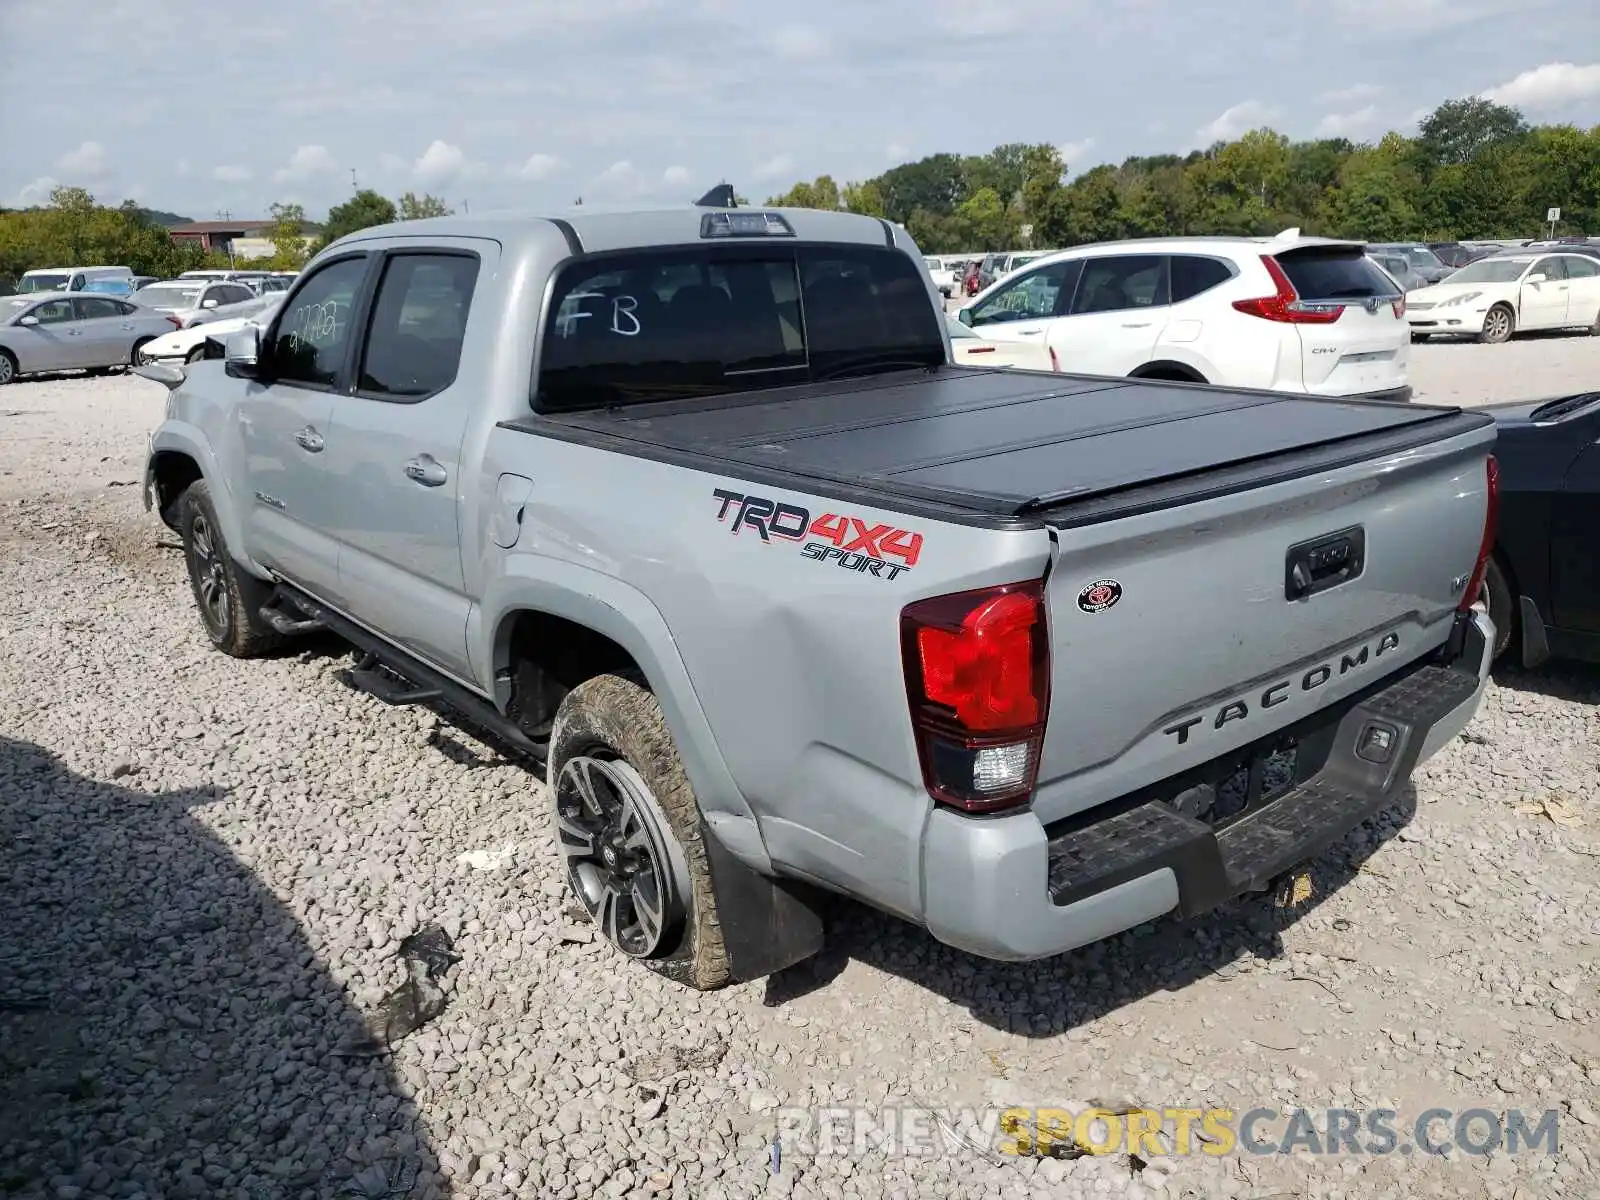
{"x": 1288, "y": 313}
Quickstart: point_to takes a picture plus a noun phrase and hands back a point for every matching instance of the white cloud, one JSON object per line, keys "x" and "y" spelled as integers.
{"x": 37, "y": 192}
{"x": 1350, "y": 124}
{"x": 440, "y": 164}
{"x": 392, "y": 163}
{"x": 896, "y": 152}
{"x": 799, "y": 43}
{"x": 675, "y": 176}
{"x": 1073, "y": 154}
{"x": 307, "y": 162}
{"x": 1354, "y": 94}
{"x": 1549, "y": 88}
{"x": 88, "y": 161}
{"x": 778, "y": 167}
{"x": 537, "y": 167}
{"x": 232, "y": 173}
{"x": 1240, "y": 119}
{"x": 624, "y": 181}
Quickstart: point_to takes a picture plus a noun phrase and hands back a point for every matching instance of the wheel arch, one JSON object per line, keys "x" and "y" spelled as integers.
{"x": 1170, "y": 369}
{"x": 573, "y": 623}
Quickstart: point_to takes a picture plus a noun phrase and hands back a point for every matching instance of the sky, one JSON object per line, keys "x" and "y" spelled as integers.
{"x": 201, "y": 108}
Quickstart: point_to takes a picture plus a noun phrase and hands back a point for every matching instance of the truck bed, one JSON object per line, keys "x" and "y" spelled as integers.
{"x": 1008, "y": 446}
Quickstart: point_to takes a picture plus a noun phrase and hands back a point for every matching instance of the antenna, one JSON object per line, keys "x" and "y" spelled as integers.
{"x": 353, "y": 185}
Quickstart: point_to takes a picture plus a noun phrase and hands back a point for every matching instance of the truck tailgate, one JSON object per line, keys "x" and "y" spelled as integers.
{"x": 1181, "y": 632}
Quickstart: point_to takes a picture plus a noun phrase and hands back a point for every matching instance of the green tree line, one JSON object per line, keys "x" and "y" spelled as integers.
{"x": 73, "y": 230}
{"x": 1475, "y": 169}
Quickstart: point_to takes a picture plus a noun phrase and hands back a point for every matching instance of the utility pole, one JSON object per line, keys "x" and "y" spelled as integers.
{"x": 466, "y": 209}
{"x": 354, "y": 187}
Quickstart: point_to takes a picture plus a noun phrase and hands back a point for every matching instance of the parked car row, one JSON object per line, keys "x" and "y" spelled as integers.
{"x": 1509, "y": 292}
{"x": 1290, "y": 313}
{"x": 99, "y": 330}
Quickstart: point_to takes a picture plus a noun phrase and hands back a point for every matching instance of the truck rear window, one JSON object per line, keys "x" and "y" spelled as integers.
{"x": 1334, "y": 274}
{"x": 701, "y": 321}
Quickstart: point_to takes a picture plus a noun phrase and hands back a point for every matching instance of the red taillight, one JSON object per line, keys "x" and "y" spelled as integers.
{"x": 1400, "y": 306}
{"x": 977, "y": 670}
{"x": 980, "y": 349}
{"x": 1491, "y": 525}
{"x": 1055, "y": 363}
{"x": 1285, "y": 304}
{"x": 175, "y": 322}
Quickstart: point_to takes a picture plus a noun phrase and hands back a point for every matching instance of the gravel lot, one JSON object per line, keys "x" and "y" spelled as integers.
{"x": 208, "y": 866}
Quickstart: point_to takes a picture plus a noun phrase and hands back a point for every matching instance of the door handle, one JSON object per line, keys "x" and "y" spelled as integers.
{"x": 310, "y": 439}
{"x": 1136, "y": 325}
{"x": 74, "y": 333}
{"x": 426, "y": 470}
{"x": 1029, "y": 332}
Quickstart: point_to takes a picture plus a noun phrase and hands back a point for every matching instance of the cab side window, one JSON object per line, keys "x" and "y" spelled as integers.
{"x": 312, "y": 337}
{"x": 1581, "y": 268}
{"x": 1550, "y": 268}
{"x": 419, "y": 320}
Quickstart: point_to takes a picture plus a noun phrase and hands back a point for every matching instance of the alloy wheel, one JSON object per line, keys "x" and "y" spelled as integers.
{"x": 616, "y": 854}
{"x": 210, "y": 578}
{"x": 1497, "y": 325}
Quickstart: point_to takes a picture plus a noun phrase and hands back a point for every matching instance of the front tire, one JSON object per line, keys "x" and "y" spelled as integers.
{"x": 137, "y": 358}
{"x": 229, "y": 599}
{"x": 8, "y": 368}
{"x": 1498, "y": 325}
{"x": 630, "y": 831}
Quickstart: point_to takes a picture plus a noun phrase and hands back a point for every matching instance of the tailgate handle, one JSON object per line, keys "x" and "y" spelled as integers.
{"x": 1324, "y": 562}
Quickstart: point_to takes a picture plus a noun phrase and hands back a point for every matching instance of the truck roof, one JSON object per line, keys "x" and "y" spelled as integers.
{"x": 599, "y": 229}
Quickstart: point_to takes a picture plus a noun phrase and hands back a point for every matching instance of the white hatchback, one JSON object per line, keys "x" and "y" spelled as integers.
{"x": 1289, "y": 313}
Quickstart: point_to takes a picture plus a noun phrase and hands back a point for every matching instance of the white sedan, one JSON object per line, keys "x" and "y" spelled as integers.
{"x": 974, "y": 350}
{"x": 189, "y": 345}
{"x": 1495, "y": 297}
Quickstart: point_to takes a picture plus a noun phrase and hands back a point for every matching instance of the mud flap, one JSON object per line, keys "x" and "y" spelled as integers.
{"x": 767, "y": 924}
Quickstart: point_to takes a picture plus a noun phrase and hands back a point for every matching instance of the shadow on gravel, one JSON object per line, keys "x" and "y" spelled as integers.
{"x": 1575, "y": 681}
{"x": 1045, "y": 998}
{"x": 165, "y": 1028}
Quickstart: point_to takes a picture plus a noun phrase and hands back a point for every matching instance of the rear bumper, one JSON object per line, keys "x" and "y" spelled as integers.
{"x": 1007, "y": 888}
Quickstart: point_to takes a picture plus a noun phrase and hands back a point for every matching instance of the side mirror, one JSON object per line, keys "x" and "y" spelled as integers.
{"x": 242, "y": 358}
{"x": 1536, "y": 278}
{"x": 208, "y": 304}
{"x": 965, "y": 317}
{"x": 30, "y": 320}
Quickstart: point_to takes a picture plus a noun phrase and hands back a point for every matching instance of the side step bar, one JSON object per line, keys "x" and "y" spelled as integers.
{"x": 396, "y": 677}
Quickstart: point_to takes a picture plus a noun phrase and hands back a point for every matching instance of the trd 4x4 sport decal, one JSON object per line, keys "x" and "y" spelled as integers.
{"x": 849, "y": 542}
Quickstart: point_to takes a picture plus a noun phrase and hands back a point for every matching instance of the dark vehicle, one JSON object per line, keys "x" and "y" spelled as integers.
{"x": 1418, "y": 257}
{"x": 1543, "y": 582}
{"x": 1455, "y": 255}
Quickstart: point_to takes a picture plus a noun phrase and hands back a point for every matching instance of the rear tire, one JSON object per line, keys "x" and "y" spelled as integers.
{"x": 630, "y": 831}
{"x": 1499, "y": 323}
{"x": 196, "y": 355}
{"x": 1502, "y": 606}
{"x": 228, "y": 598}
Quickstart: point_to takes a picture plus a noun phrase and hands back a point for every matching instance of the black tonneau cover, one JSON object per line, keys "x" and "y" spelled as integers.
{"x": 1008, "y": 443}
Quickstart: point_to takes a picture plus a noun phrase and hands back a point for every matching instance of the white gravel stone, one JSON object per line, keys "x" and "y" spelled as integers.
{"x": 208, "y": 864}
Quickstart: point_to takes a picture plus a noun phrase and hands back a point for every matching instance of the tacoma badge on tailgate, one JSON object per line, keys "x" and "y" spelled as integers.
{"x": 1313, "y": 678}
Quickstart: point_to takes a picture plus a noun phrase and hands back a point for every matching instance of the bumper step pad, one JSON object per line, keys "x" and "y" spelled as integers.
{"x": 1375, "y": 745}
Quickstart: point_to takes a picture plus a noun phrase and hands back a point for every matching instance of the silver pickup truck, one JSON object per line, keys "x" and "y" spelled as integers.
{"x": 691, "y": 507}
